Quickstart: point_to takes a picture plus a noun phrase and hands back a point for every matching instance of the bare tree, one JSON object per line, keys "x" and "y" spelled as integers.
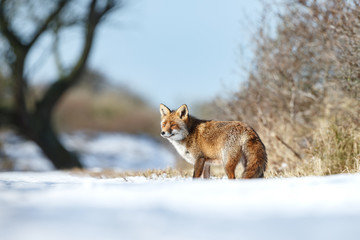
{"x": 34, "y": 121}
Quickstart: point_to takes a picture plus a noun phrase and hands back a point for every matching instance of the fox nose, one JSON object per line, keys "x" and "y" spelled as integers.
{"x": 163, "y": 133}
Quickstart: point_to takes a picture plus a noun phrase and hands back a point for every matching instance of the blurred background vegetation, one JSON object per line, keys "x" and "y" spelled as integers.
{"x": 302, "y": 93}
{"x": 95, "y": 104}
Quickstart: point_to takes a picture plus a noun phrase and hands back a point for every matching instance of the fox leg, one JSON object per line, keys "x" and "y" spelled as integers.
{"x": 199, "y": 167}
{"x": 206, "y": 172}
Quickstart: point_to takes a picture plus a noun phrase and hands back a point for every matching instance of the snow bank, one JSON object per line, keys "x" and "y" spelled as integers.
{"x": 56, "y": 205}
{"x": 101, "y": 150}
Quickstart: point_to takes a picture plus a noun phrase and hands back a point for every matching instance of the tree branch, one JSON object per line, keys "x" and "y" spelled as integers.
{"x": 46, "y": 22}
{"x": 7, "y": 31}
{"x": 57, "y": 58}
{"x": 56, "y": 90}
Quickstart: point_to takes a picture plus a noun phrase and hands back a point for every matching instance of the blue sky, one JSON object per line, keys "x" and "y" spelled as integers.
{"x": 174, "y": 52}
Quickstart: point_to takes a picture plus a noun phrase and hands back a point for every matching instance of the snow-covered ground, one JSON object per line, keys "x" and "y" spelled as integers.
{"x": 97, "y": 150}
{"x": 57, "y": 205}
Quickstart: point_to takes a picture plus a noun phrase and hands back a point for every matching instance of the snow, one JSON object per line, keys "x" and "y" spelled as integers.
{"x": 58, "y": 205}
{"x": 97, "y": 150}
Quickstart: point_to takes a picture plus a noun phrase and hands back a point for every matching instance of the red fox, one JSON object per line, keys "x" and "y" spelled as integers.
{"x": 206, "y": 142}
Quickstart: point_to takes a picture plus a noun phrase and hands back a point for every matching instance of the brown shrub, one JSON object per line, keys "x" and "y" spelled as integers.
{"x": 304, "y": 88}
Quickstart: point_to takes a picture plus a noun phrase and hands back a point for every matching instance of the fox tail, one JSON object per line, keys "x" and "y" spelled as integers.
{"x": 255, "y": 158}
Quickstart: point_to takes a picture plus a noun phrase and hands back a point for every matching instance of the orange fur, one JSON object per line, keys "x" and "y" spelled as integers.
{"x": 205, "y": 142}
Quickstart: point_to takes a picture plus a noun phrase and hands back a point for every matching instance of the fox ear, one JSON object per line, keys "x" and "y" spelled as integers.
{"x": 164, "y": 110}
{"x": 182, "y": 112}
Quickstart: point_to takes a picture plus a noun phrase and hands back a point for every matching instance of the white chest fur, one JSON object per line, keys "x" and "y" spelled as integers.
{"x": 181, "y": 149}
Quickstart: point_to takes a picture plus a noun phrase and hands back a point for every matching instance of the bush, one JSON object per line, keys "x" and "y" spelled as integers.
{"x": 306, "y": 75}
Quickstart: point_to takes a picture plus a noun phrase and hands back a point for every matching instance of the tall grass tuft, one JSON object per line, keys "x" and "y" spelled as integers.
{"x": 337, "y": 145}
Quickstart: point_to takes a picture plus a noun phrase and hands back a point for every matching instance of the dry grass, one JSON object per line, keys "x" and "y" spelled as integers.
{"x": 337, "y": 148}
{"x": 217, "y": 172}
{"x": 150, "y": 174}
{"x": 186, "y": 172}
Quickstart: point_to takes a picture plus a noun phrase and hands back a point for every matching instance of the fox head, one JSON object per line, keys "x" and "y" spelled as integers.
{"x": 174, "y": 123}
